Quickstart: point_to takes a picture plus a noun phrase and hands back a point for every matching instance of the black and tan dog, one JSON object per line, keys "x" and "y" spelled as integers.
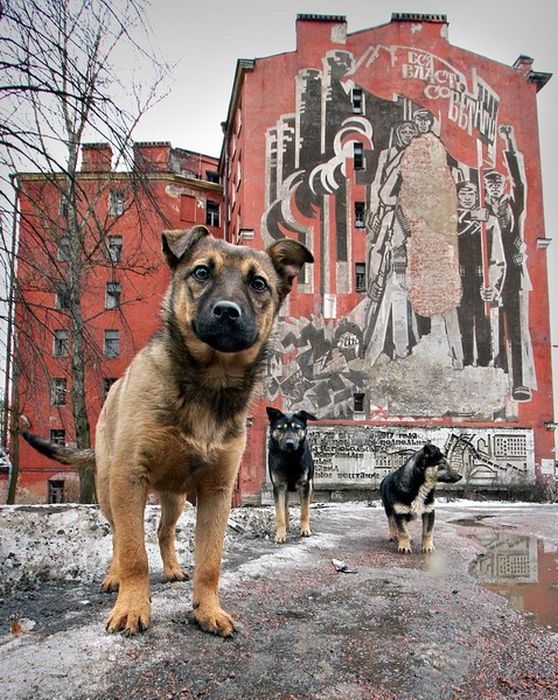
{"x": 175, "y": 422}
{"x": 409, "y": 491}
{"x": 291, "y": 467}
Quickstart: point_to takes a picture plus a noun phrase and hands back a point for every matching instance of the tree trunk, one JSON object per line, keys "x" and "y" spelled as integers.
{"x": 14, "y": 440}
{"x": 77, "y": 326}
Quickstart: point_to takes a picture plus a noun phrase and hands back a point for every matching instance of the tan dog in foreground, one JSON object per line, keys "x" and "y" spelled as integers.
{"x": 175, "y": 422}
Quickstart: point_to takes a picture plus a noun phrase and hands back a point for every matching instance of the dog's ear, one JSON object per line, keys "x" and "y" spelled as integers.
{"x": 305, "y": 416}
{"x": 177, "y": 244}
{"x": 429, "y": 449}
{"x": 273, "y": 413}
{"x": 288, "y": 258}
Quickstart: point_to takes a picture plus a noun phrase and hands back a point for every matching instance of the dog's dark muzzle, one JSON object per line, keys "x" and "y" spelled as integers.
{"x": 450, "y": 476}
{"x": 226, "y": 327}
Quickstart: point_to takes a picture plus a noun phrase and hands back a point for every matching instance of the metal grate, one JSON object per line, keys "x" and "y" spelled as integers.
{"x": 417, "y": 17}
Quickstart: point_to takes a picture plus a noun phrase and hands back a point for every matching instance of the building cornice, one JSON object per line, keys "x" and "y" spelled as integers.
{"x": 126, "y": 176}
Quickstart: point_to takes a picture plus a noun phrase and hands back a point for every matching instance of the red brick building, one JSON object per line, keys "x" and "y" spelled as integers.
{"x": 411, "y": 169}
{"x": 124, "y": 281}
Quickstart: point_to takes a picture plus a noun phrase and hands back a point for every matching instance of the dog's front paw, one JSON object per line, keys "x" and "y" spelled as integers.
{"x": 280, "y": 536}
{"x": 215, "y": 620}
{"x": 427, "y": 547}
{"x": 110, "y": 583}
{"x": 404, "y": 548}
{"x": 131, "y": 614}
{"x": 175, "y": 573}
{"x": 305, "y": 531}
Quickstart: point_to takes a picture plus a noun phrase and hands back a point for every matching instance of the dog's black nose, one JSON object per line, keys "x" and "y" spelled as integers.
{"x": 227, "y": 309}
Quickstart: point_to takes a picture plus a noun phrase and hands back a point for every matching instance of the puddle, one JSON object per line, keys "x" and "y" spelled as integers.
{"x": 471, "y": 522}
{"x": 522, "y": 569}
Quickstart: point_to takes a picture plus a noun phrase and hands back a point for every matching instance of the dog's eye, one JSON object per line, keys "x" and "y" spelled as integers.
{"x": 202, "y": 273}
{"x": 258, "y": 284}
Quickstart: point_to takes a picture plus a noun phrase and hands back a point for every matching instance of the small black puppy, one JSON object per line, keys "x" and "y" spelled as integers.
{"x": 409, "y": 491}
{"x": 291, "y": 467}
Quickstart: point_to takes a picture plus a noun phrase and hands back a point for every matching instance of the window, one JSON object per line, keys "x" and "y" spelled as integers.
{"x": 58, "y": 392}
{"x": 360, "y": 277}
{"x": 112, "y": 295}
{"x": 63, "y": 206}
{"x": 211, "y": 176}
{"x": 63, "y": 251}
{"x": 114, "y": 248}
{"x": 60, "y": 343}
{"x": 58, "y": 436}
{"x": 116, "y": 202}
{"x": 246, "y": 234}
{"x": 62, "y": 297}
{"x": 112, "y": 343}
{"x": 238, "y": 171}
{"x": 211, "y": 213}
{"x": 358, "y": 403}
{"x": 56, "y": 490}
{"x": 358, "y": 155}
{"x": 360, "y": 214}
{"x": 187, "y": 207}
{"x": 107, "y": 383}
{"x": 357, "y": 100}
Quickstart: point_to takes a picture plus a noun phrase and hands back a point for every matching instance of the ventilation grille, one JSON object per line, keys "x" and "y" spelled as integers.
{"x": 323, "y": 18}
{"x": 417, "y": 17}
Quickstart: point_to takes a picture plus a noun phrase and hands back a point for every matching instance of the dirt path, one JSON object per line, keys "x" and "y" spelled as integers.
{"x": 401, "y": 627}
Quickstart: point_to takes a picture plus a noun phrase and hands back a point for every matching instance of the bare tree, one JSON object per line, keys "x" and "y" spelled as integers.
{"x": 61, "y": 86}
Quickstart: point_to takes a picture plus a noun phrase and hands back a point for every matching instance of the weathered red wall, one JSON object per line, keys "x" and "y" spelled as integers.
{"x": 401, "y": 67}
{"x": 142, "y": 273}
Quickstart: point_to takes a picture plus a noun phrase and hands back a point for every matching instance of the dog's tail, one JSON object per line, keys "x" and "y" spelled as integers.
{"x": 65, "y": 455}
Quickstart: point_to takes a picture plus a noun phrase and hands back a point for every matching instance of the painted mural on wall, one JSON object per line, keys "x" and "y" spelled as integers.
{"x": 441, "y": 308}
{"x": 363, "y": 455}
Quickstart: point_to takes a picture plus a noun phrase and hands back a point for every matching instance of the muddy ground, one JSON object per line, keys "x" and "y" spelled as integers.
{"x": 402, "y": 626}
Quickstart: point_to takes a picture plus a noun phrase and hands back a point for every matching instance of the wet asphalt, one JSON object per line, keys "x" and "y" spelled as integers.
{"x": 475, "y": 619}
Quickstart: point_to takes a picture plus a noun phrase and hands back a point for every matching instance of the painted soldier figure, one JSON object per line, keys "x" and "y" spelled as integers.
{"x": 508, "y": 208}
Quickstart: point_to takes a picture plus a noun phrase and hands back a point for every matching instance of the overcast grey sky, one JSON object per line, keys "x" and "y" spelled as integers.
{"x": 207, "y": 38}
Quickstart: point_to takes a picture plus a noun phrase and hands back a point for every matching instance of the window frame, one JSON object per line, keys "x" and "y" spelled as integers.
{"x": 61, "y": 339}
{"x": 358, "y": 155}
{"x": 359, "y": 398}
{"x": 360, "y": 277}
{"x": 113, "y": 247}
{"x": 114, "y": 295}
{"x": 58, "y": 391}
{"x": 211, "y": 213}
{"x": 106, "y": 344}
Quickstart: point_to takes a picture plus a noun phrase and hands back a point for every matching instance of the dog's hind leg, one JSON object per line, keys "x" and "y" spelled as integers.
{"x": 172, "y": 505}
{"x": 403, "y": 537}
{"x": 392, "y": 528}
{"x": 305, "y": 495}
{"x": 280, "y": 497}
{"x": 110, "y": 582}
{"x": 427, "y": 532}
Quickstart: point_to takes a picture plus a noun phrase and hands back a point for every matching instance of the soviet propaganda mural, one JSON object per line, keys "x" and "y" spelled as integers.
{"x": 414, "y": 204}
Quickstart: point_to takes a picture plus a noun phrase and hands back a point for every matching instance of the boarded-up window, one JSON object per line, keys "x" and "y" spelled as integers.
{"x": 187, "y": 208}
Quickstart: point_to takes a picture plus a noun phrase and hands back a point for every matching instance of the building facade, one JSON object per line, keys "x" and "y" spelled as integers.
{"x": 410, "y": 167}
{"x": 123, "y": 281}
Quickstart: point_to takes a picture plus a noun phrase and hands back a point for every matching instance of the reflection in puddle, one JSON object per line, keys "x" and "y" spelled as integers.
{"x": 523, "y": 569}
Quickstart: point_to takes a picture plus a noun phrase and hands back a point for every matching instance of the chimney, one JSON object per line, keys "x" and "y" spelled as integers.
{"x": 320, "y": 29}
{"x": 96, "y": 158}
{"x": 152, "y": 156}
{"x": 523, "y": 64}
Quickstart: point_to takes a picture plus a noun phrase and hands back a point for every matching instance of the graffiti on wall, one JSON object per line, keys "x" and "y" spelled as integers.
{"x": 436, "y": 187}
{"x": 365, "y": 454}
